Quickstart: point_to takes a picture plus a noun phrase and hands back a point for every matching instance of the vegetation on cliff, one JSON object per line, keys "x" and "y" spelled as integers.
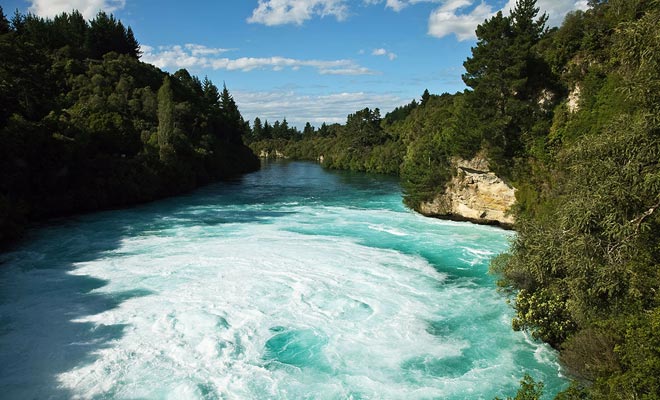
{"x": 585, "y": 263}
{"x": 569, "y": 116}
{"x": 84, "y": 125}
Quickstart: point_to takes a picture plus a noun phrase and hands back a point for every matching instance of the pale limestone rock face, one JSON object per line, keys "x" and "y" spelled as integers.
{"x": 274, "y": 154}
{"x": 474, "y": 194}
{"x": 574, "y": 99}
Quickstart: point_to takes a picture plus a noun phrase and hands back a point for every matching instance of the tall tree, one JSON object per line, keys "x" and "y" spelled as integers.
{"x": 363, "y": 128}
{"x": 308, "y": 131}
{"x": 132, "y": 45}
{"x": 257, "y": 129}
{"x": 107, "y": 34}
{"x": 4, "y": 22}
{"x": 211, "y": 93}
{"x": 233, "y": 120}
{"x": 507, "y": 78}
{"x": 425, "y": 97}
{"x": 165, "y": 118}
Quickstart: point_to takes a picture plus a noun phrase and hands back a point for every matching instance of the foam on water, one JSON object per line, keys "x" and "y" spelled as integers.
{"x": 294, "y": 283}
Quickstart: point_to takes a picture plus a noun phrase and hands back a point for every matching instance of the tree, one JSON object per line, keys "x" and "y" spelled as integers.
{"x": 234, "y": 124}
{"x": 78, "y": 134}
{"x": 284, "y": 129}
{"x": 268, "y": 130}
{"x": 425, "y": 97}
{"x": 107, "y": 34}
{"x": 508, "y": 79}
{"x": 132, "y": 45}
{"x": 165, "y": 118}
{"x": 277, "y": 130}
{"x": 363, "y": 128}
{"x": 210, "y": 93}
{"x": 323, "y": 130}
{"x": 4, "y": 23}
{"x": 257, "y": 129}
{"x": 71, "y": 30}
{"x": 308, "y": 131}
{"x": 529, "y": 390}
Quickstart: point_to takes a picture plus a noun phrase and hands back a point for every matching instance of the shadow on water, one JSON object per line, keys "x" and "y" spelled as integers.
{"x": 43, "y": 303}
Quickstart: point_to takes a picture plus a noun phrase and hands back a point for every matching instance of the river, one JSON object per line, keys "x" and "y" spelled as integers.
{"x": 289, "y": 283}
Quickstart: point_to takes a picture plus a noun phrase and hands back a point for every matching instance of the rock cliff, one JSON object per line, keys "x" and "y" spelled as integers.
{"x": 474, "y": 194}
{"x": 272, "y": 154}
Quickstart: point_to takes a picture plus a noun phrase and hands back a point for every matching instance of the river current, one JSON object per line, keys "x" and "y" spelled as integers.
{"x": 290, "y": 283}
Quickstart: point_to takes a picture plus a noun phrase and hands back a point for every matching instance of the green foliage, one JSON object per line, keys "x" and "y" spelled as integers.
{"x": 106, "y": 34}
{"x": 514, "y": 88}
{"x": 585, "y": 260}
{"x": 414, "y": 142}
{"x": 79, "y": 133}
{"x": 400, "y": 113}
{"x": 583, "y": 269}
{"x": 529, "y": 390}
{"x": 165, "y": 117}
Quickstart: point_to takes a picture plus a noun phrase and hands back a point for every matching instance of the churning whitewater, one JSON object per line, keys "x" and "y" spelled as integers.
{"x": 290, "y": 283}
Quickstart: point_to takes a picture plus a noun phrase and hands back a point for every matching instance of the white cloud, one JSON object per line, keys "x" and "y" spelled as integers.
{"x": 446, "y": 20}
{"x": 300, "y": 108}
{"x": 201, "y": 50}
{"x": 398, "y": 5}
{"x": 383, "y": 52}
{"x": 194, "y": 56}
{"x": 458, "y": 17}
{"x": 453, "y": 16}
{"x": 88, "y": 8}
{"x": 281, "y": 12}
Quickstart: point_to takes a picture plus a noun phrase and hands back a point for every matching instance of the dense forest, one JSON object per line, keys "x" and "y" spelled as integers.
{"x": 570, "y": 117}
{"x": 84, "y": 125}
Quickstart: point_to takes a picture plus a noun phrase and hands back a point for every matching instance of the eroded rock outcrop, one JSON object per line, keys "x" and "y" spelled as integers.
{"x": 474, "y": 194}
{"x": 272, "y": 154}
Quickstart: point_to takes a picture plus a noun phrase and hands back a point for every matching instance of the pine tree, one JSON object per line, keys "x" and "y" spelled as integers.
{"x": 425, "y": 97}
{"x": 508, "y": 78}
{"x": 132, "y": 45}
{"x": 284, "y": 129}
{"x": 233, "y": 121}
{"x": 107, "y": 34}
{"x": 4, "y": 23}
{"x": 257, "y": 129}
{"x": 211, "y": 93}
{"x": 165, "y": 118}
{"x": 308, "y": 131}
{"x": 268, "y": 130}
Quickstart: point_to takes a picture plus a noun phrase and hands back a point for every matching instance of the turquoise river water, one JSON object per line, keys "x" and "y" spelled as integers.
{"x": 290, "y": 283}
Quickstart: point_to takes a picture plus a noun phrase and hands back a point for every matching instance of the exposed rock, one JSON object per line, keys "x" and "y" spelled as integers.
{"x": 574, "y": 99}
{"x": 474, "y": 194}
{"x": 546, "y": 99}
{"x": 272, "y": 154}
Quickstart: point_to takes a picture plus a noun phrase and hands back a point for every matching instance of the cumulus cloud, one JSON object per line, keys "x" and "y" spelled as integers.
{"x": 457, "y": 17}
{"x": 447, "y": 20}
{"x": 281, "y": 12}
{"x": 461, "y": 17}
{"x": 88, "y": 8}
{"x": 383, "y": 52}
{"x": 195, "y": 56}
{"x": 398, "y": 5}
{"x": 300, "y": 108}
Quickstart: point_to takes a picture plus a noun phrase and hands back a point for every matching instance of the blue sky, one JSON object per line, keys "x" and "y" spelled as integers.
{"x": 307, "y": 60}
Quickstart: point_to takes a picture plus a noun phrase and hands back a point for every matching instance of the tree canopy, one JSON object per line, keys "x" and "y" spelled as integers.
{"x": 85, "y": 125}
